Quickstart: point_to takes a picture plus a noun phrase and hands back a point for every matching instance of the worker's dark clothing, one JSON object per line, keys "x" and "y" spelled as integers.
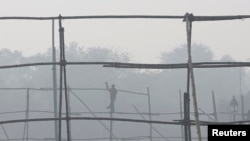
{"x": 113, "y": 93}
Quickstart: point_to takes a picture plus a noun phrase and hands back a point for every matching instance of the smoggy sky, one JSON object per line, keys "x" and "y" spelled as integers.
{"x": 145, "y": 39}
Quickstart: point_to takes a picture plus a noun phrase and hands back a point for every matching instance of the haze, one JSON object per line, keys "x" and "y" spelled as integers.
{"x": 144, "y": 39}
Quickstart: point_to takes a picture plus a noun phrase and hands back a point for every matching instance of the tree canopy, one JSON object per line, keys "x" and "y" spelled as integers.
{"x": 164, "y": 85}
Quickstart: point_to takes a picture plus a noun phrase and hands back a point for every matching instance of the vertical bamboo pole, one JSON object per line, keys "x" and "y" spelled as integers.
{"x": 187, "y": 130}
{"x": 63, "y": 81}
{"x": 27, "y": 113}
{"x": 111, "y": 127}
{"x": 181, "y": 116}
{"x": 189, "y": 18}
{"x": 26, "y": 125}
{"x": 69, "y": 112}
{"x": 150, "y": 118}
{"x": 240, "y": 81}
{"x": 214, "y": 107}
{"x": 63, "y": 64}
{"x": 111, "y": 116}
{"x": 242, "y": 107}
{"x": 188, "y": 117}
{"x": 242, "y": 98}
{"x": 54, "y": 79}
{"x": 61, "y": 84}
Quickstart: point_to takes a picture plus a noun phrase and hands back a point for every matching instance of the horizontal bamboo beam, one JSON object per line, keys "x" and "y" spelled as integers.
{"x": 195, "y": 18}
{"x": 175, "y": 122}
{"x": 96, "y": 17}
{"x": 140, "y": 66}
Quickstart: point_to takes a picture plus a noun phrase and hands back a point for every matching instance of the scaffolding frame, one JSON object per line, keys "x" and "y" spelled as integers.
{"x": 188, "y": 18}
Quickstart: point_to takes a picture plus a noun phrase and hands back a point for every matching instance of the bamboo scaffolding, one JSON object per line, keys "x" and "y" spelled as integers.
{"x": 151, "y": 127}
{"x": 101, "y": 138}
{"x": 190, "y": 65}
{"x": 175, "y": 122}
{"x": 189, "y": 20}
{"x": 96, "y": 17}
{"x": 139, "y": 66}
{"x": 117, "y": 113}
{"x": 196, "y": 18}
{"x": 93, "y": 113}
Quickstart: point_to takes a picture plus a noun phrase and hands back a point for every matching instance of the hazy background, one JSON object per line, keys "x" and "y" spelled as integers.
{"x": 126, "y": 40}
{"x": 145, "y": 39}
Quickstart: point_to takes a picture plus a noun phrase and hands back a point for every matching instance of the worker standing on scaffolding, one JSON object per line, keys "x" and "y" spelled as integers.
{"x": 113, "y": 93}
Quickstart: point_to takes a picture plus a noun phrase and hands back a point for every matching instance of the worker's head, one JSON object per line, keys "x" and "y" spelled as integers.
{"x": 113, "y": 85}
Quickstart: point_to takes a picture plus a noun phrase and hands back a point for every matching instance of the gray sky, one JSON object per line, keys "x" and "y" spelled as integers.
{"x": 144, "y": 39}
